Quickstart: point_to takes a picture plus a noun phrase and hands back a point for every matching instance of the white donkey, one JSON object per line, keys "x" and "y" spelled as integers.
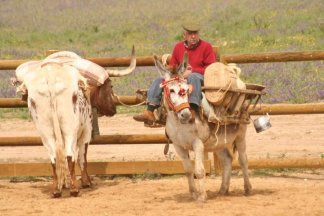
{"x": 200, "y": 136}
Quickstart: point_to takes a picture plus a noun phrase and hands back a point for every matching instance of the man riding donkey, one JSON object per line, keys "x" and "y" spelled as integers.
{"x": 201, "y": 54}
{"x": 222, "y": 132}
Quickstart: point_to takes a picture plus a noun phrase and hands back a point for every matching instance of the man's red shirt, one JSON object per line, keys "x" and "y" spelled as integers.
{"x": 199, "y": 57}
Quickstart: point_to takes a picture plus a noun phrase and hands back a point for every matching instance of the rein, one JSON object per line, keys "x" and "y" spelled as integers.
{"x": 166, "y": 91}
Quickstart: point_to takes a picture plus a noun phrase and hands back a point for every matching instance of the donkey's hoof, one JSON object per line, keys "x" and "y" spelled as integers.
{"x": 194, "y": 195}
{"x": 86, "y": 184}
{"x": 74, "y": 192}
{"x": 247, "y": 192}
{"x": 223, "y": 192}
{"x": 202, "y": 198}
{"x": 57, "y": 194}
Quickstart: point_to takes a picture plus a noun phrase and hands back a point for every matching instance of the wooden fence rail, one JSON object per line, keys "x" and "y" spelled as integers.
{"x": 115, "y": 139}
{"x": 141, "y": 167}
{"x": 17, "y": 102}
{"x": 271, "y": 109}
{"x": 229, "y": 58}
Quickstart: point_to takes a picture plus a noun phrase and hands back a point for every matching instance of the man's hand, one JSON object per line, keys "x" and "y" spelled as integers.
{"x": 187, "y": 72}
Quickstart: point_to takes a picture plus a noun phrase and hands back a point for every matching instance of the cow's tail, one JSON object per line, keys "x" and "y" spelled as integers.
{"x": 61, "y": 162}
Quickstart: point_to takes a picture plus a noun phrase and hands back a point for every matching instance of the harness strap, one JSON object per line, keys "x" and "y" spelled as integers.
{"x": 170, "y": 104}
{"x": 181, "y": 107}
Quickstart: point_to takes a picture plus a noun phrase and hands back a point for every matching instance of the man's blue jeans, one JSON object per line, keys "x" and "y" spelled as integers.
{"x": 154, "y": 93}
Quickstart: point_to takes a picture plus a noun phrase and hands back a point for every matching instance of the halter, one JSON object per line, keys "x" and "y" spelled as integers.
{"x": 166, "y": 91}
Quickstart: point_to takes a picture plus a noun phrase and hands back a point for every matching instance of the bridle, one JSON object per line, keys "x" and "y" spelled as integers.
{"x": 182, "y": 92}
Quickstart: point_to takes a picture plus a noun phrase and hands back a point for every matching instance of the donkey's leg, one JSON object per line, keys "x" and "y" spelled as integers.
{"x": 198, "y": 148}
{"x": 241, "y": 148}
{"x": 188, "y": 168}
{"x": 226, "y": 163}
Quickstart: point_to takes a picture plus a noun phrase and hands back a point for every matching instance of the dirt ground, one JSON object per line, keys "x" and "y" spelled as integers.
{"x": 290, "y": 193}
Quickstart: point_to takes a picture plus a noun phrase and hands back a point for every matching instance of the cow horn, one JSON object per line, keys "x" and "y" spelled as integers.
{"x": 118, "y": 73}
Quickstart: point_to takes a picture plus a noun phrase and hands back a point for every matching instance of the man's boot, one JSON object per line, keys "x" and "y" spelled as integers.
{"x": 194, "y": 109}
{"x": 147, "y": 117}
{"x": 95, "y": 125}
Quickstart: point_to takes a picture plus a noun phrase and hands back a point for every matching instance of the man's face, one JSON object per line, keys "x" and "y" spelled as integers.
{"x": 192, "y": 37}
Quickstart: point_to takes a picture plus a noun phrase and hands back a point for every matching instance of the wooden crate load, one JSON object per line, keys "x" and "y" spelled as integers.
{"x": 228, "y": 94}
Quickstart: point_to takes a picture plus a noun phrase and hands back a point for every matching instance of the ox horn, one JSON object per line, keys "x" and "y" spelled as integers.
{"x": 118, "y": 73}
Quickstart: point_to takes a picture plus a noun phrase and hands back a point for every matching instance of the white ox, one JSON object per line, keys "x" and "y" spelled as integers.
{"x": 59, "y": 102}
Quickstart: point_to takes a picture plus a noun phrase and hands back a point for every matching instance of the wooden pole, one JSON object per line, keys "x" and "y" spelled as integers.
{"x": 273, "y": 163}
{"x": 17, "y": 102}
{"x": 100, "y": 168}
{"x": 274, "y": 57}
{"x": 287, "y": 109}
{"x": 229, "y": 58}
{"x": 115, "y": 139}
{"x": 271, "y": 109}
{"x": 141, "y": 167}
{"x": 217, "y": 164}
{"x": 283, "y": 163}
{"x": 12, "y": 103}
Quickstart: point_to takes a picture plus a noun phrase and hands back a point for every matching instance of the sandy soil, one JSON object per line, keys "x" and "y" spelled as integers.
{"x": 284, "y": 194}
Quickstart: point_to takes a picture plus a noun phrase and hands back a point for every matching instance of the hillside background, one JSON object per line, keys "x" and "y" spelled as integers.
{"x": 109, "y": 28}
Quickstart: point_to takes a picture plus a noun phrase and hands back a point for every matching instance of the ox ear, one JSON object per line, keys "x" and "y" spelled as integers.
{"x": 14, "y": 81}
{"x": 22, "y": 89}
{"x": 184, "y": 64}
{"x": 82, "y": 84}
{"x": 162, "y": 70}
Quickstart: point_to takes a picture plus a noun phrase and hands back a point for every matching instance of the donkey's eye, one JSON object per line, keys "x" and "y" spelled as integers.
{"x": 172, "y": 91}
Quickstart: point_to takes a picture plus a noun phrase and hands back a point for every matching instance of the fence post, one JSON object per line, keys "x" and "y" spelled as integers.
{"x": 217, "y": 165}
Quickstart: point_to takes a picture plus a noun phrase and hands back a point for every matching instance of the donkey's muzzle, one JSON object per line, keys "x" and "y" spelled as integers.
{"x": 184, "y": 116}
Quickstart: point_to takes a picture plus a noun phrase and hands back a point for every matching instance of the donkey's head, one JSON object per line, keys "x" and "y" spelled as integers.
{"x": 176, "y": 89}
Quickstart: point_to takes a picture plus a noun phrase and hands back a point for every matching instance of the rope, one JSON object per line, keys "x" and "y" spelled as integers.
{"x": 218, "y": 125}
{"x": 135, "y": 105}
{"x": 225, "y": 140}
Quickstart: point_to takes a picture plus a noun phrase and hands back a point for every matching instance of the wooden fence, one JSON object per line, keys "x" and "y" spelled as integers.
{"x": 164, "y": 167}
{"x": 229, "y": 58}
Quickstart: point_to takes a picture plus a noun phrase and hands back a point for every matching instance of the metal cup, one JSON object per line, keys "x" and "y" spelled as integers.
{"x": 262, "y": 123}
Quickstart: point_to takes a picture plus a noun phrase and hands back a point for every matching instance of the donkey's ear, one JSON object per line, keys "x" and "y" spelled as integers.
{"x": 162, "y": 70}
{"x": 183, "y": 66}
